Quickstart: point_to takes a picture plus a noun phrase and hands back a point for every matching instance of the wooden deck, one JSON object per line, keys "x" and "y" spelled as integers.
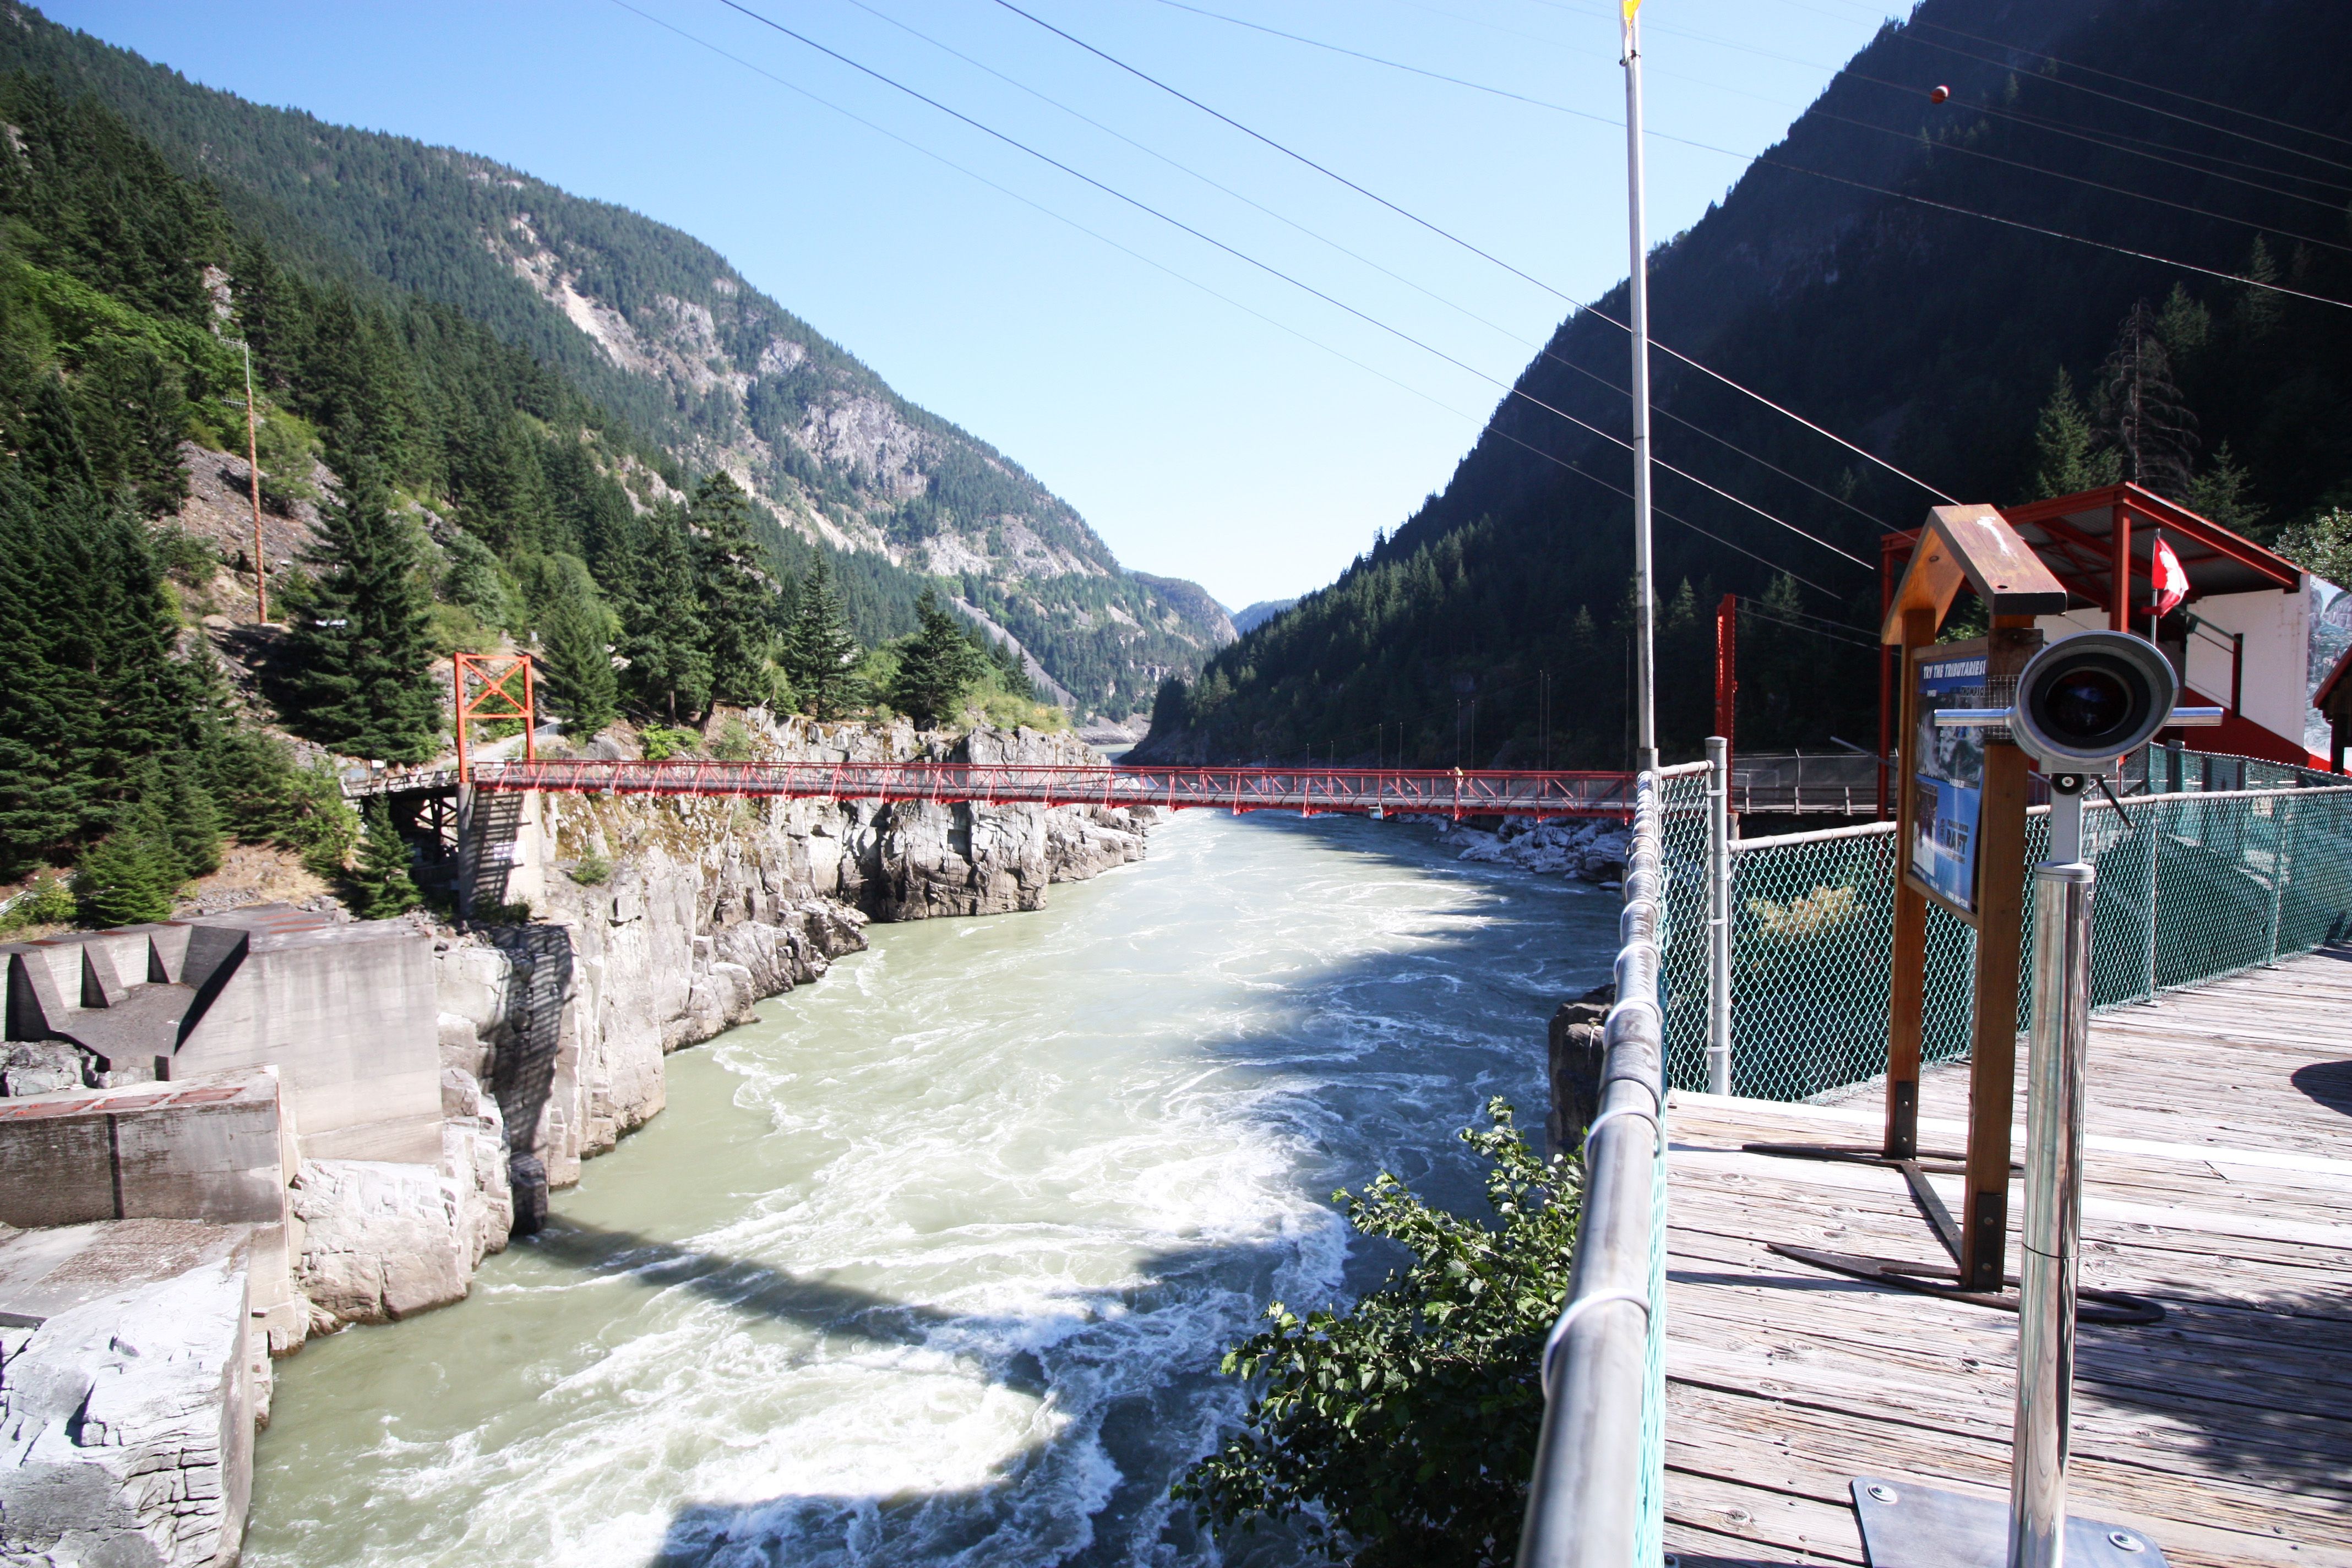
{"x": 2220, "y": 1184}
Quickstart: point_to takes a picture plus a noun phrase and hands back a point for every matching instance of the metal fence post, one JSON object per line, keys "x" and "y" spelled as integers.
{"x": 2154, "y": 832}
{"x": 1718, "y": 915}
{"x": 2282, "y": 863}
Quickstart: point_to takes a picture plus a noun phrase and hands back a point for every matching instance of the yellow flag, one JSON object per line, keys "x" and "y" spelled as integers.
{"x": 1629, "y": 7}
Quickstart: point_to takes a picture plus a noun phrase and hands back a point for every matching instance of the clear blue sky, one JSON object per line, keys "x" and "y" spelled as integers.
{"x": 1200, "y": 440}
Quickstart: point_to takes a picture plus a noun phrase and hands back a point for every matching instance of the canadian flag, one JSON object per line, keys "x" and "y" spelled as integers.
{"x": 2171, "y": 580}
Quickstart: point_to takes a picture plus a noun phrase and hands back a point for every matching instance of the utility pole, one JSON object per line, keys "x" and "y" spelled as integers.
{"x": 1646, "y": 713}
{"x": 253, "y": 473}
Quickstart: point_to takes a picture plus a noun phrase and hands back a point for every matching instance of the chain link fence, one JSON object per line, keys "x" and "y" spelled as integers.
{"x": 2212, "y": 865}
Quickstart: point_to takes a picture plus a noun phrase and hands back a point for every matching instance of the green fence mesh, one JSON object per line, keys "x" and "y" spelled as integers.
{"x": 2203, "y": 876}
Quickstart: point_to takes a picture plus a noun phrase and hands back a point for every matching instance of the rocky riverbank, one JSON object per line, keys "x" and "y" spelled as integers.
{"x": 667, "y": 921}
{"x": 662, "y": 923}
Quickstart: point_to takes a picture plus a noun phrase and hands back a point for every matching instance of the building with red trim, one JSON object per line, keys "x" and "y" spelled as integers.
{"x": 2240, "y": 639}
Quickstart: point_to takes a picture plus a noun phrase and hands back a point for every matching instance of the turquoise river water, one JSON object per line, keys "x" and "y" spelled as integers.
{"x": 933, "y": 1264}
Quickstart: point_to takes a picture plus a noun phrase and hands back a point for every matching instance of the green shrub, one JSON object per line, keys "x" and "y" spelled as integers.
{"x": 1402, "y": 1430}
{"x": 47, "y": 902}
{"x": 591, "y": 869}
{"x": 189, "y": 558}
{"x": 661, "y": 742}
{"x": 734, "y": 743}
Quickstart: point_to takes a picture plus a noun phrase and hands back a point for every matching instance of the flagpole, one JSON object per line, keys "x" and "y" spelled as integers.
{"x": 1645, "y": 710}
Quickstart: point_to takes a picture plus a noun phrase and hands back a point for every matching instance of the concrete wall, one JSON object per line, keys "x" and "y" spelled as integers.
{"x": 220, "y": 1150}
{"x": 346, "y": 1014}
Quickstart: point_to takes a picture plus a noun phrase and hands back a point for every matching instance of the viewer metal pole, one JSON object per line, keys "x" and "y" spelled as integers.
{"x": 1718, "y": 915}
{"x": 1645, "y": 717}
{"x": 2054, "y": 1190}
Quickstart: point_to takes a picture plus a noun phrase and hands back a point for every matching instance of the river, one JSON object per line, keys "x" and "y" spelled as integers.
{"x": 933, "y": 1264}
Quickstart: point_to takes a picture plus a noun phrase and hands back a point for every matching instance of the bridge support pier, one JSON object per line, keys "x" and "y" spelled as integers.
{"x": 501, "y": 849}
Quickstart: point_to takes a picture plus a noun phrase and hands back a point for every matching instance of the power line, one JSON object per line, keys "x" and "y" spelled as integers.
{"x": 2145, "y": 108}
{"x": 2050, "y": 233}
{"x": 2084, "y": 179}
{"x": 1466, "y": 244}
{"x": 1541, "y": 347}
{"x": 1754, "y": 608}
{"x": 2143, "y": 86}
{"x": 1212, "y": 293}
{"x": 1509, "y": 388}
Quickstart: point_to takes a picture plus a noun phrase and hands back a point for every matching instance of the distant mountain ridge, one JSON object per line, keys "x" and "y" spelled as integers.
{"x": 660, "y": 330}
{"x": 1493, "y": 624}
{"x": 1249, "y": 619}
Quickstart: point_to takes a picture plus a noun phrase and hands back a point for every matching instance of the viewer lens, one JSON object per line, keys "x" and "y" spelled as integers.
{"x": 2088, "y": 703}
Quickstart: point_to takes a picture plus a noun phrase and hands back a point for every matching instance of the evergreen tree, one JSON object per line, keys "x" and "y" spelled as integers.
{"x": 132, "y": 875}
{"x": 2141, "y": 416}
{"x": 88, "y": 633}
{"x": 937, "y": 667}
{"x": 174, "y": 803}
{"x": 667, "y": 666}
{"x": 2219, "y": 493}
{"x": 363, "y": 678}
{"x": 819, "y": 649}
{"x": 575, "y": 633}
{"x": 2067, "y": 460}
{"x": 381, "y": 881}
{"x": 475, "y": 578}
{"x": 734, "y": 593}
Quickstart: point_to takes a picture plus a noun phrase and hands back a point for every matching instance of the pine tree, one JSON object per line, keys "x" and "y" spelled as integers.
{"x": 132, "y": 875}
{"x": 2219, "y": 493}
{"x": 2066, "y": 461}
{"x": 575, "y": 631}
{"x": 476, "y": 579}
{"x": 733, "y": 591}
{"x": 381, "y": 881}
{"x": 819, "y": 649}
{"x": 667, "y": 665}
{"x": 937, "y": 667}
{"x": 363, "y": 680}
{"x": 2140, "y": 415}
{"x": 174, "y": 803}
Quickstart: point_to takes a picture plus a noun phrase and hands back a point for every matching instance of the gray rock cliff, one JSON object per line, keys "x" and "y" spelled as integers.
{"x": 711, "y": 905}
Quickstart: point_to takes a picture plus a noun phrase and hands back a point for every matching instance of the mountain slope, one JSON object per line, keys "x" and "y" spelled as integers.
{"x": 1931, "y": 337}
{"x": 659, "y": 329}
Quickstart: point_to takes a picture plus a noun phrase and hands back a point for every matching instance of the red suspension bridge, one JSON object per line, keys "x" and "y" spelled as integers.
{"x": 1441, "y": 791}
{"x": 501, "y": 688}
{"x": 1434, "y": 791}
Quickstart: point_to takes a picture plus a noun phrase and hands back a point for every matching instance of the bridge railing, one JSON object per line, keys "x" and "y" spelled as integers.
{"x": 2197, "y": 880}
{"x": 1839, "y": 783}
{"x": 1432, "y": 790}
{"x": 1597, "y": 1495}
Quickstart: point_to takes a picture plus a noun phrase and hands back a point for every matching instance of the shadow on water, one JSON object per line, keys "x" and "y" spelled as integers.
{"x": 1132, "y": 1429}
{"x": 1400, "y": 1070}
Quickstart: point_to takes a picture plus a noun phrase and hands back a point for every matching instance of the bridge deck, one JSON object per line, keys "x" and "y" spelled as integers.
{"x": 2220, "y": 1184}
{"x": 1446, "y": 792}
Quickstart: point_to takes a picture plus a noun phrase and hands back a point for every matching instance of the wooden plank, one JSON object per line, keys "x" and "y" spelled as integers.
{"x": 1908, "y": 985}
{"x": 2215, "y": 1185}
{"x": 1992, "y": 1047}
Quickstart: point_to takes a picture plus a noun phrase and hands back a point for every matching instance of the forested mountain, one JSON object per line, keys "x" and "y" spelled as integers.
{"x": 1997, "y": 363}
{"x": 651, "y": 330}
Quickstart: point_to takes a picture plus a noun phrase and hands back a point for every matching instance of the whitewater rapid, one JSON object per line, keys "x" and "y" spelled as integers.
{"x": 934, "y": 1263}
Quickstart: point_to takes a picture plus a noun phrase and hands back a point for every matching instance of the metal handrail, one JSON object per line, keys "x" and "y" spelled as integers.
{"x": 1586, "y": 1500}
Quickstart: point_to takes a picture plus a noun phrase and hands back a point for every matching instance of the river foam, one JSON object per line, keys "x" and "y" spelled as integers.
{"x": 934, "y": 1263}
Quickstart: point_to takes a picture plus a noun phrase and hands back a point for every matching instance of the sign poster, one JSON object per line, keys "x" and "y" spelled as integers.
{"x": 1947, "y": 774}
